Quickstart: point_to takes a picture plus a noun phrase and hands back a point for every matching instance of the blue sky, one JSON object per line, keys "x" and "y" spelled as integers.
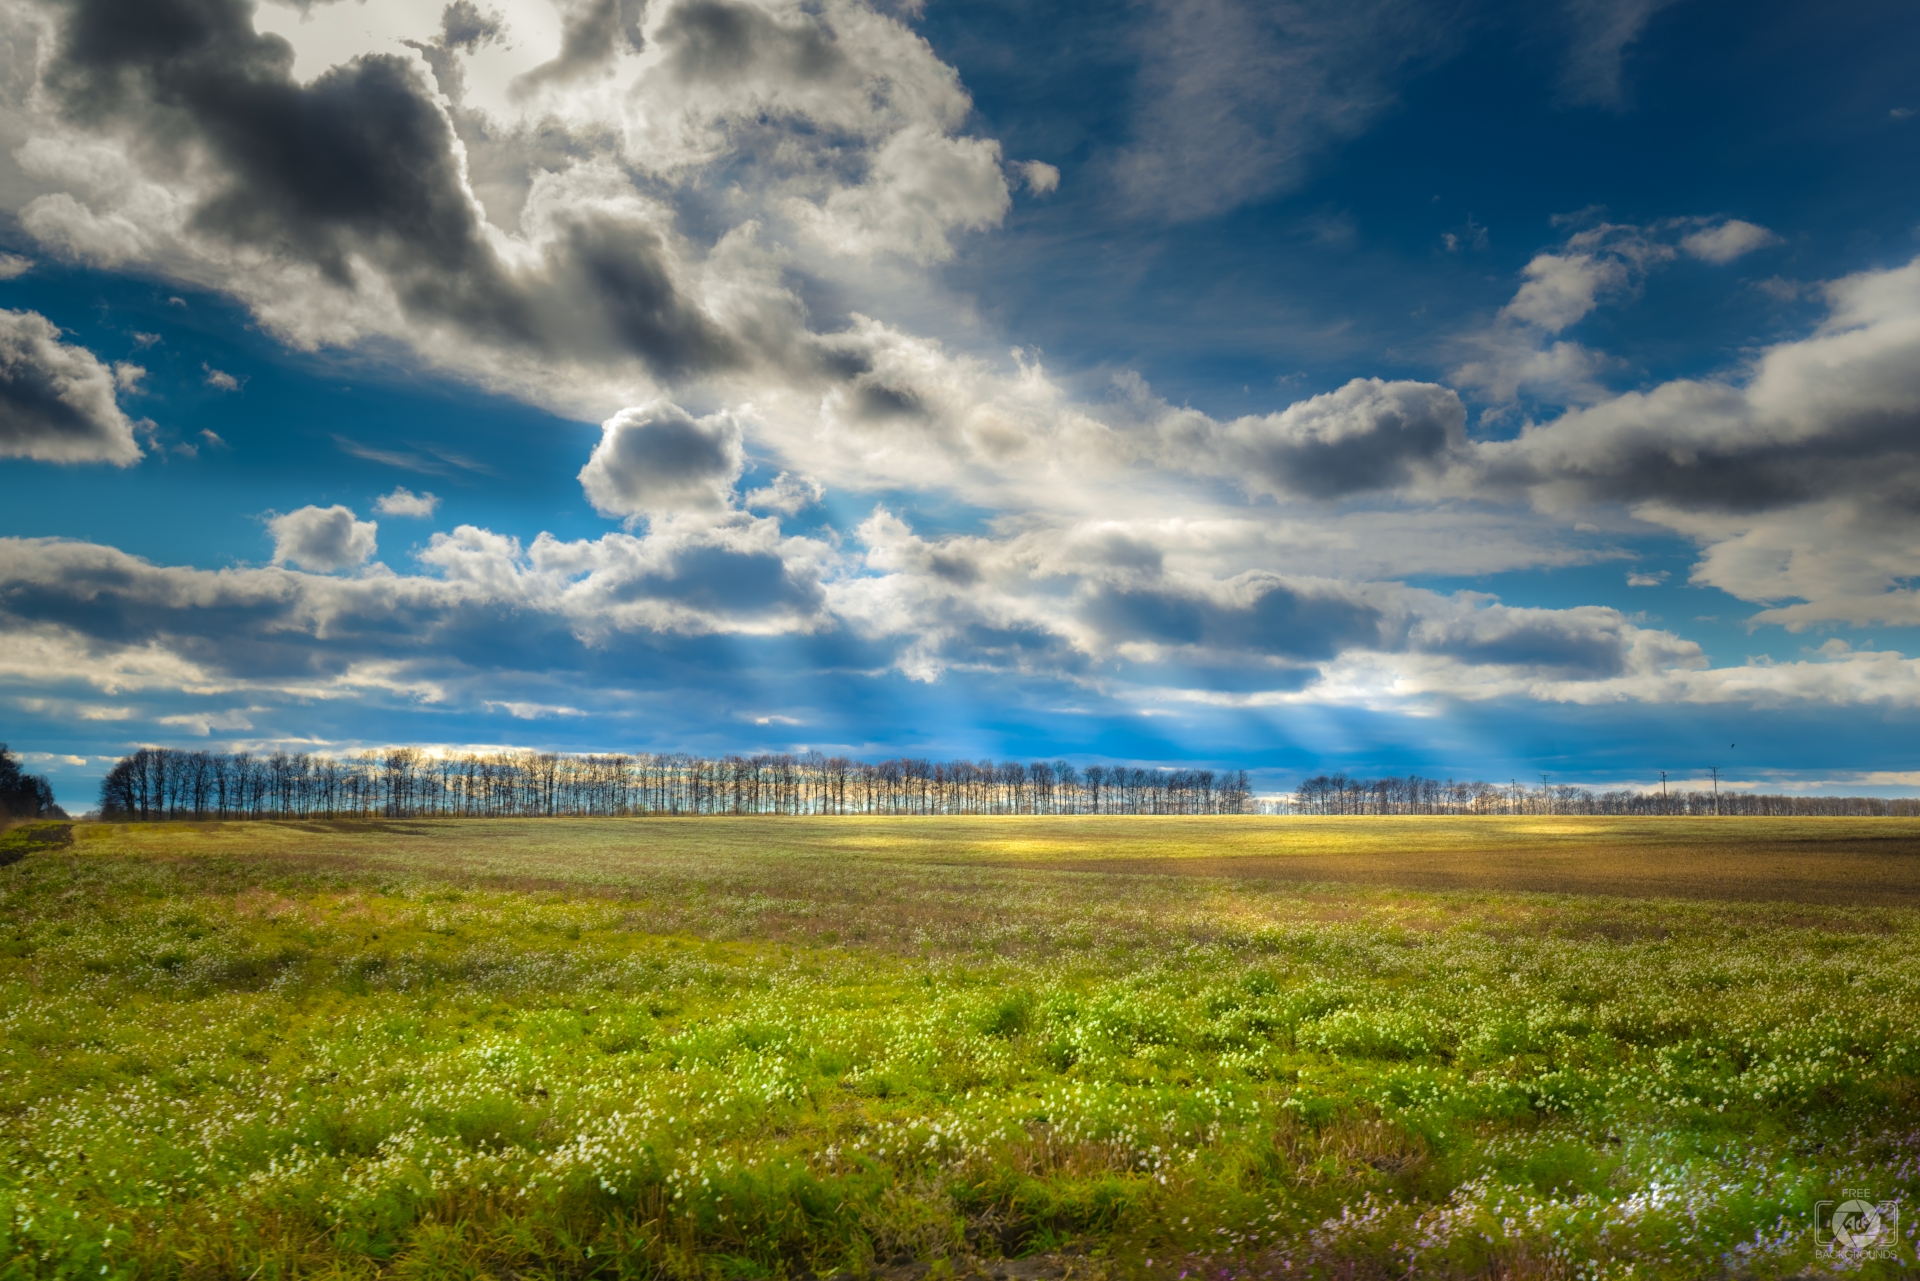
{"x": 1478, "y": 389}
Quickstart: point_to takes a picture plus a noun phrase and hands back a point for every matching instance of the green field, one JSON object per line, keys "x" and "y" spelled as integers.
{"x": 1104, "y": 1047}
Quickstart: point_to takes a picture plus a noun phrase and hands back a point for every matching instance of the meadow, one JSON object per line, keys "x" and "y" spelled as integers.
{"x": 1100, "y": 1047}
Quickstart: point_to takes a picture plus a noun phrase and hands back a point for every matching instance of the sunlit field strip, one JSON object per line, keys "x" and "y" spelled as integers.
{"x": 769, "y": 1047}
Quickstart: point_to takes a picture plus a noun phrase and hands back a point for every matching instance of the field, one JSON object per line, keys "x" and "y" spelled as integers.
{"x": 1118, "y": 1048}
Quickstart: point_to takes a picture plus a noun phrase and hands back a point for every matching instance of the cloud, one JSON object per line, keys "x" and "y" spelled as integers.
{"x": 464, "y": 25}
{"x": 1067, "y": 602}
{"x": 427, "y": 458}
{"x": 1040, "y": 178}
{"x": 657, "y": 459}
{"x": 1796, "y": 475}
{"x": 788, "y": 495}
{"x": 922, "y": 186}
{"x": 1521, "y": 352}
{"x": 509, "y": 209}
{"x": 14, "y": 266}
{"x": 220, "y": 379}
{"x": 322, "y": 538}
{"x": 1236, "y": 98}
{"x": 404, "y": 502}
{"x": 1369, "y": 434}
{"x": 1597, "y": 263}
{"x": 57, "y": 400}
{"x": 594, "y": 31}
{"x": 1598, "y": 34}
{"x": 1731, "y": 239}
{"x": 1641, "y": 578}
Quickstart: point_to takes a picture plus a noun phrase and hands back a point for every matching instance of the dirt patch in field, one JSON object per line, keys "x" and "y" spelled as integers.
{"x": 1881, "y": 873}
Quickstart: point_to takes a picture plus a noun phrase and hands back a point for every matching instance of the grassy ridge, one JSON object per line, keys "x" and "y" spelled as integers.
{"x": 769, "y": 1047}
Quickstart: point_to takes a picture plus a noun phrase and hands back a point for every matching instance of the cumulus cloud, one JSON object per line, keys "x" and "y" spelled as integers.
{"x": 1040, "y": 178}
{"x": 1369, "y": 434}
{"x": 322, "y": 538}
{"x": 1522, "y": 352}
{"x": 507, "y": 206}
{"x": 57, "y": 401}
{"x": 788, "y": 495}
{"x": 485, "y": 604}
{"x": 922, "y": 187}
{"x": 657, "y": 460}
{"x": 404, "y": 502}
{"x": 1796, "y": 475}
{"x": 1067, "y": 601}
{"x": 1727, "y": 241}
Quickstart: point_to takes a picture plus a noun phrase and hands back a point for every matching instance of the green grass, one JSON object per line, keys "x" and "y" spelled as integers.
{"x": 764, "y": 1047}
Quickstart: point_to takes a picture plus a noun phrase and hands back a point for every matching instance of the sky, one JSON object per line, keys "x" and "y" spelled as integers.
{"x": 1478, "y": 389}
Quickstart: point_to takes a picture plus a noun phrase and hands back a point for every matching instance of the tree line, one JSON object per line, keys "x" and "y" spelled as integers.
{"x": 1344, "y": 794}
{"x": 24, "y": 795}
{"x": 166, "y": 783}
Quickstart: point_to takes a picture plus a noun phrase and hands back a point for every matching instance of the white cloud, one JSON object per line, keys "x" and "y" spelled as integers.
{"x": 920, "y": 188}
{"x": 533, "y": 711}
{"x": 57, "y": 400}
{"x": 1642, "y": 578}
{"x": 1727, "y": 241}
{"x": 13, "y": 266}
{"x": 322, "y": 538}
{"x": 788, "y": 495}
{"x": 1521, "y": 352}
{"x": 1040, "y": 178}
{"x": 657, "y": 460}
{"x": 530, "y": 186}
{"x": 404, "y": 502}
{"x": 220, "y": 379}
{"x": 1793, "y": 477}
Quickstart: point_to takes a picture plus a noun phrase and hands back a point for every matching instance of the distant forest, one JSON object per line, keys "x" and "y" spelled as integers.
{"x": 1341, "y": 794}
{"x": 163, "y": 783}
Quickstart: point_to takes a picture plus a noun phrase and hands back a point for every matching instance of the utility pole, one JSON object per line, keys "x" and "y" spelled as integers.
{"x": 1715, "y": 771}
{"x": 1663, "y": 792}
{"x": 1546, "y": 797}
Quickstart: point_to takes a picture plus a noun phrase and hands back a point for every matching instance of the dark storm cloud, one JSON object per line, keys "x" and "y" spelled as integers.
{"x": 1367, "y": 435}
{"x": 592, "y": 33}
{"x": 1589, "y": 643}
{"x": 714, "y": 41}
{"x": 57, "y": 401}
{"x": 362, "y": 164}
{"x": 1270, "y": 619}
{"x": 465, "y": 25}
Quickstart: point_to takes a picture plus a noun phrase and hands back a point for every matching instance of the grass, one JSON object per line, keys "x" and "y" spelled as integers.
{"x": 1135, "y": 1047}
